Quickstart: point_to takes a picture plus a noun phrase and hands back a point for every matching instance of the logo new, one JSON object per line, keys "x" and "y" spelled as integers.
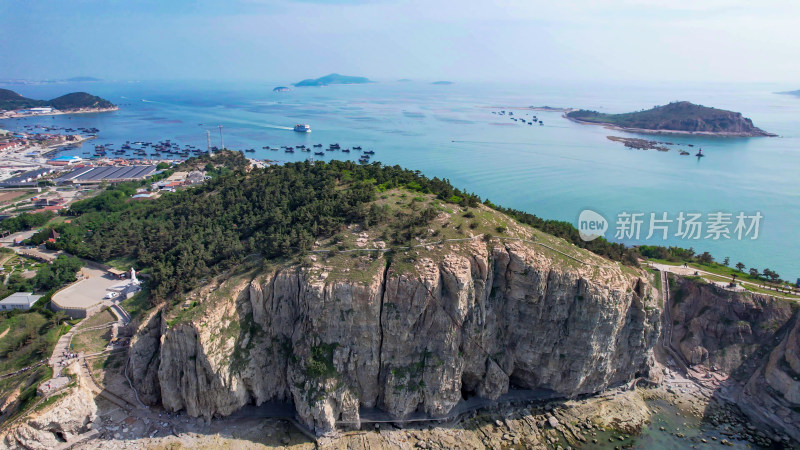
{"x": 591, "y": 225}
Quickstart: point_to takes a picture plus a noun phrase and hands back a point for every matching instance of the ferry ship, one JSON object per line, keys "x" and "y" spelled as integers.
{"x": 302, "y": 128}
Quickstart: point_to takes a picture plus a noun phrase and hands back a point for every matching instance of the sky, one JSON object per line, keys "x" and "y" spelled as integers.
{"x": 464, "y": 40}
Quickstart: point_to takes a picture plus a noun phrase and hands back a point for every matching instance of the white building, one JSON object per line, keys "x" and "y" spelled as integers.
{"x": 19, "y": 300}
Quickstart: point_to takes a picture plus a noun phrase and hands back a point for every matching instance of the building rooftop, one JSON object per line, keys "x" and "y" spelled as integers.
{"x": 20, "y": 298}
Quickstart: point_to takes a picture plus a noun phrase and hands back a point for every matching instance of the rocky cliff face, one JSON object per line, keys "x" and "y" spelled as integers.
{"x": 755, "y": 338}
{"x": 715, "y": 327}
{"x": 412, "y": 334}
{"x": 782, "y": 371}
{"x": 60, "y": 422}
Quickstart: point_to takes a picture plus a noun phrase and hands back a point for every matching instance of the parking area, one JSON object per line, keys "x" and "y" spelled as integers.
{"x": 86, "y": 292}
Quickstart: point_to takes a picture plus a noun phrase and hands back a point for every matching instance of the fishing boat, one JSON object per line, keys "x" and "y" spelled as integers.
{"x": 302, "y": 128}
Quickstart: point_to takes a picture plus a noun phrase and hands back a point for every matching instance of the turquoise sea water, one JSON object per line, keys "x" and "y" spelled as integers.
{"x": 555, "y": 170}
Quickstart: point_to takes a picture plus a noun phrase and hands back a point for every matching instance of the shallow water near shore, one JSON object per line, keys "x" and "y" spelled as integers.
{"x": 554, "y": 170}
{"x": 652, "y": 437}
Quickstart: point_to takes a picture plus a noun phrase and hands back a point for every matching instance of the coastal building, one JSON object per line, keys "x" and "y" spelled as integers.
{"x": 26, "y": 179}
{"x": 195, "y": 177}
{"x": 107, "y": 174}
{"x": 116, "y": 273}
{"x": 65, "y": 161}
{"x": 41, "y": 110}
{"x": 144, "y": 196}
{"x": 47, "y": 200}
{"x": 19, "y": 300}
{"x": 12, "y": 145}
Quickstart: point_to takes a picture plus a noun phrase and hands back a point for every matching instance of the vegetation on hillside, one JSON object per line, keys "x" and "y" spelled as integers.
{"x": 26, "y": 221}
{"x": 48, "y": 276}
{"x": 676, "y": 116}
{"x": 275, "y": 212}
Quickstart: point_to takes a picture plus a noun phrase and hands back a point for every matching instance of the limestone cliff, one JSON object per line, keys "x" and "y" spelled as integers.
{"x": 415, "y": 332}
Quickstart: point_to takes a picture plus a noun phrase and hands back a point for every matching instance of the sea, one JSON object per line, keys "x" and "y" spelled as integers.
{"x": 742, "y": 198}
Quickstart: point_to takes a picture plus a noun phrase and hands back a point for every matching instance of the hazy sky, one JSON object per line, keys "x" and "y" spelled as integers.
{"x": 525, "y": 40}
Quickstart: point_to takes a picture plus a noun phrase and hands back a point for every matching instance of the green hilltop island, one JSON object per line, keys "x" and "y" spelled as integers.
{"x": 76, "y": 101}
{"x": 674, "y": 118}
{"x": 333, "y": 78}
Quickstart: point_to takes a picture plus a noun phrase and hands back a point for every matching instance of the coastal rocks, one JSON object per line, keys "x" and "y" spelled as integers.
{"x": 62, "y": 421}
{"x": 404, "y": 335}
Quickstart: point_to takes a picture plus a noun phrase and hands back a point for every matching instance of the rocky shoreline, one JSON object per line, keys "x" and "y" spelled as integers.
{"x": 678, "y": 412}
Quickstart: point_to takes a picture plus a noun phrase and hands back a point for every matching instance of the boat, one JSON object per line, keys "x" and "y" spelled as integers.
{"x": 357, "y": 147}
{"x": 700, "y": 153}
{"x": 369, "y": 152}
{"x": 318, "y": 145}
{"x": 302, "y": 128}
{"x": 347, "y": 150}
{"x": 319, "y": 153}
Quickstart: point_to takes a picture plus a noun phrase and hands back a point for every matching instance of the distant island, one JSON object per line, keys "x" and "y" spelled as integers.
{"x": 797, "y": 93}
{"x": 76, "y": 101}
{"x": 333, "y": 78}
{"x": 674, "y": 118}
{"x": 403, "y": 80}
{"x": 281, "y": 89}
{"x": 443, "y": 83}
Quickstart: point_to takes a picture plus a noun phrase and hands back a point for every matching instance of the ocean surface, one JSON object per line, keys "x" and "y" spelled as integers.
{"x": 554, "y": 170}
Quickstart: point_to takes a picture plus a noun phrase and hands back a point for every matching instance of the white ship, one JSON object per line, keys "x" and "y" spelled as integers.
{"x": 302, "y": 128}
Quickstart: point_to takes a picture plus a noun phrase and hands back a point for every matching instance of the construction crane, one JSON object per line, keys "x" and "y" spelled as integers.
{"x": 221, "y": 143}
{"x": 208, "y": 141}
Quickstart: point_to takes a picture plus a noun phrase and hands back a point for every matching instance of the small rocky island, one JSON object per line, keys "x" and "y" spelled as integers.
{"x": 281, "y": 89}
{"x": 76, "y": 101}
{"x": 674, "y": 118}
{"x": 333, "y": 78}
{"x": 442, "y": 83}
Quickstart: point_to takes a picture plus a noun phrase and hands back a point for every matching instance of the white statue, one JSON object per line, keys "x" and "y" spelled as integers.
{"x": 133, "y": 276}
